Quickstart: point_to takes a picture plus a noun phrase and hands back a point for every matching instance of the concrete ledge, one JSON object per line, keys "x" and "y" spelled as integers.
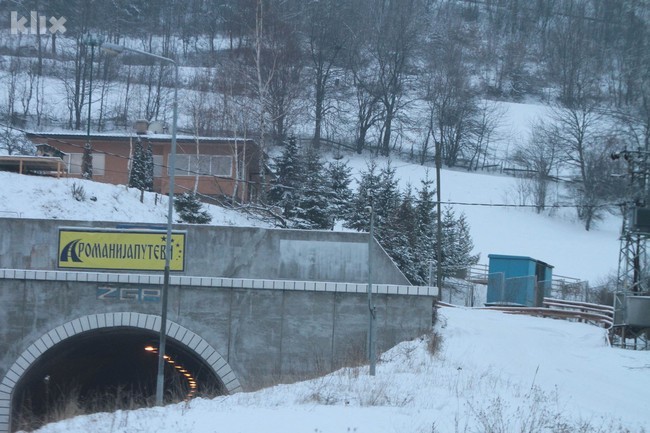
{"x": 212, "y": 282}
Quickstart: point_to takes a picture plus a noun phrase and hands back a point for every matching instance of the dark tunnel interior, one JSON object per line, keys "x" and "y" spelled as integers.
{"x": 107, "y": 370}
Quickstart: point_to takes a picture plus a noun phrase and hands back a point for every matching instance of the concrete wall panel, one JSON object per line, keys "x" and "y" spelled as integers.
{"x": 223, "y": 251}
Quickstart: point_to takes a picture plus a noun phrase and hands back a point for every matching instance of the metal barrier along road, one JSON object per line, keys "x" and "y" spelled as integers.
{"x": 568, "y": 310}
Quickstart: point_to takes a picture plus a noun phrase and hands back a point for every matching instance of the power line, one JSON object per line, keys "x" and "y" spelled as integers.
{"x": 601, "y": 205}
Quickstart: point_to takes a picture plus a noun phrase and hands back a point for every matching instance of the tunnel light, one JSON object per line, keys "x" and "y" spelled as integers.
{"x": 191, "y": 381}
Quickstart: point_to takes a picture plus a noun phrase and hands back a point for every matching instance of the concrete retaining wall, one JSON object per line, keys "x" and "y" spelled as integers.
{"x": 272, "y": 305}
{"x": 223, "y": 251}
{"x": 266, "y": 335}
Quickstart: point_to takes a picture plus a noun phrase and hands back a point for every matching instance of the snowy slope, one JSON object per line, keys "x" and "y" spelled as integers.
{"x": 495, "y": 372}
{"x": 43, "y": 197}
{"x": 560, "y": 240}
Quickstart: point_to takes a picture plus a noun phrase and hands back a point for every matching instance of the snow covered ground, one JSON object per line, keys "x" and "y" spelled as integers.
{"x": 494, "y": 373}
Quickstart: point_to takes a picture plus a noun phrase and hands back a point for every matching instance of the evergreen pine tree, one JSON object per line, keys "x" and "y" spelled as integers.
{"x": 148, "y": 167}
{"x": 425, "y": 211}
{"x": 386, "y": 199}
{"x": 136, "y": 176}
{"x": 338, "y": 175}
{"x": 312, "y": 207}
{"x": 358, "y": 218}
{"x": 463, "y": 252}
{"x": 457, "y": 244}
{"x": 285, "y": 190}
{"x": 189, "y": 209}
{"x": 399, "y": 238}
{"x": 449, "y": 241}
{"x": 141, "y": 176}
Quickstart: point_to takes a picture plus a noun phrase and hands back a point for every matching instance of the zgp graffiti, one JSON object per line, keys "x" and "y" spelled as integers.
{"x": 128, "y": 294}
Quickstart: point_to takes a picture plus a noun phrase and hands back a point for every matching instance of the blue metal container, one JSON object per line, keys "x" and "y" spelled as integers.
{"x": 517, "y": 280}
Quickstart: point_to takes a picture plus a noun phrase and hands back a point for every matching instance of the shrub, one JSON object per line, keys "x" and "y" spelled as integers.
{"x": 78, "y": 192}
{"x": 434, "y": 343}
{"x": 189, "y": 209}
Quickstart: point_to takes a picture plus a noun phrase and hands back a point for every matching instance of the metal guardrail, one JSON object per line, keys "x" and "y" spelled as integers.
{"x": 559, "y": 286}
{"x": 569, "y": 310}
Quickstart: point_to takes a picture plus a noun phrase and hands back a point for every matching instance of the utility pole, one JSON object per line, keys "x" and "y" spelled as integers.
{"x": 438, "y": 220}
{"x": 635, "y": 231}
{"x": 87, "y": 159}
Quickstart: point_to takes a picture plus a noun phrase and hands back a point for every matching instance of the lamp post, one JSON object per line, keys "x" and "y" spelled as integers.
{"x": 160, "y": 380}
{"x": 87, "y": 160}
{"x": 371, "y": 307}
{"x": 438, "y": 221}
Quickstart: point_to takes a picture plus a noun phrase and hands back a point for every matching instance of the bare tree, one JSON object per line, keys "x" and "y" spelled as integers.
{"x": 27, "y": 89}
{"x": 488, "y": 118}
{"x": 74, "y": 78}
{"x": 15, "y": 143}
{"x": 12, "y": 78}
{"x": 328, "y": 35}
{"x": 540, "y": 155}
{"x": 395, "y": 36}
{"x": 285, "y": 81}
{"x": 571, "y": 62}
{"x": 368, "y": 108}
{"x": 451, "y": 106}
{"x": 586, "y": 146}
{"x": 263, "y": 77}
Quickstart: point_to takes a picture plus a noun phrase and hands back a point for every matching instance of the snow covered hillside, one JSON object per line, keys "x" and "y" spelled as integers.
{"x": 559, "y": 240}
{"x": 494, "y": 373}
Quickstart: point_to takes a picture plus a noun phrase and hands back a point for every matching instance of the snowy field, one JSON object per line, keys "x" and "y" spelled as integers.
{"x": 494, "y": 373}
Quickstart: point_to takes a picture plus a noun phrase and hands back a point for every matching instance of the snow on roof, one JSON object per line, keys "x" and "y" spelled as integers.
{"x": 125, "y": 134}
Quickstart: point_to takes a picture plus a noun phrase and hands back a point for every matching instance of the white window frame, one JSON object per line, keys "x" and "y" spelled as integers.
{"x": 73, "y": 162}
{"x": 186, "y": 165}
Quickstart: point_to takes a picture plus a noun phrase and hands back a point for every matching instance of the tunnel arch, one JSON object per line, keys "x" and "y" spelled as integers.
{"x": 181, "y": 335}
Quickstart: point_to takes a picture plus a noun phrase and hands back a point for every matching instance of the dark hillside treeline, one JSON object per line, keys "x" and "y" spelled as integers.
{"x": 385, "y": 76}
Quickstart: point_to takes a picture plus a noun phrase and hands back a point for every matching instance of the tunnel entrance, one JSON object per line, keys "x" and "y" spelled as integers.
{"x": 107, "y": 369}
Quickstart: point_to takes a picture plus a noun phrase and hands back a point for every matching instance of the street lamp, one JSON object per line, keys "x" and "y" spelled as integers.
{"x": 87, "y": 159}
{"x": 439, "y": 221}
{"x": 160, "y": 381}
{"x": 371, "y": 307}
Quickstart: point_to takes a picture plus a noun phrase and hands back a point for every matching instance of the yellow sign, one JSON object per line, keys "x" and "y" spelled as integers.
{"x": 120, "y": 249}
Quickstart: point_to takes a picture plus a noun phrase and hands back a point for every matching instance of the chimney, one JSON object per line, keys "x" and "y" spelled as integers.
{"x": 156, "y": 127}
{"x": 141, "y": 126}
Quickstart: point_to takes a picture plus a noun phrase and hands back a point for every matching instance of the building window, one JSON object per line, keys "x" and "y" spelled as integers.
{"x": 157, "y": 166}
{"x": 222, "y": 166}
{"x": 204, "y": 165}
{"x": 73, "y": 163}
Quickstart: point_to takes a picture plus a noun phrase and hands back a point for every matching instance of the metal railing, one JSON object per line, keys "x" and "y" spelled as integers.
{"x": 568, "y": 310}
